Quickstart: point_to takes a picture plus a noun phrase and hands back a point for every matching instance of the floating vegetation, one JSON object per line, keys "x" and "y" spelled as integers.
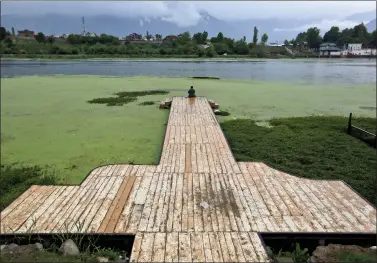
{"x": 146, "y": 103}
{"x": 221, "y": 113}
{"x": 204, "y": 77}
{"x": 125, "y": 97}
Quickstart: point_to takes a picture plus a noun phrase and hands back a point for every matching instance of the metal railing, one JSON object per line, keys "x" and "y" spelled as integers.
{"x": 360, "y": 133}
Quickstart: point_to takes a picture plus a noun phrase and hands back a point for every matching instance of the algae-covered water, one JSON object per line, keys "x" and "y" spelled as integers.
{"x": 46, "y": 120}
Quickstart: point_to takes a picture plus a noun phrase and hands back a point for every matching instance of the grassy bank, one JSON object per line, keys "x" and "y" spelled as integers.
{"x": 310, "y": 147}
{"x": 48, "y": 120}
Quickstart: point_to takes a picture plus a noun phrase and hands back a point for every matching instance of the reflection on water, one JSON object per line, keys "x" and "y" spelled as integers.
{"x": 304, "y": 72}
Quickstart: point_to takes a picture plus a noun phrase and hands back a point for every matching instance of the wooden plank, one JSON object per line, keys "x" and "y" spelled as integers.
{"x": 51, "y": 212}
{"x": 17, "y": 202}
{"x": 138, "y": 204}
{"x": 198, "y": 218}
{"x": 190, "y": 203}
{"x": 119, "y": 203}
{"x": 100, "y": 214}
{"x": 261, "y": 253}
{"x": 211, "y": 201}
{"x": 197, "y": 249}
{"x": 215, "y": 247}
{"x": 146, "y": 249}
{"x": 114, "y": 204}
{"x": 178, "y": 205}
{"x": 124, "y": 217}
{"x": 237, "y": 246}
{"x": 207, "y": 248}
{"x": 185, "y": 203}
{"x": 224, "y": 247}
{"x": 247, "y": 248}
{"x": 152, "y": 220}
{"x": 160, "y": 205}
{"x": 29, "y": 209}
{"x": 53, "y": 221}
{"x": 230, "y": 245}
{"x": 171, "y": 250}
{"x": 170, "y": 211}
{"x": 231, "y": 208}
{"x": 147, "y": 210}
{"x": 159, "y": 247}
{"x": 184, "y": 252}
{"x": 188, "y": 158}
{"x": 31, "y": 223}
{"x": 206, "y": 213}
{"x": 161, "y": 224}
{"x": 136, "y": 248}
{"x": 85, "y": 219}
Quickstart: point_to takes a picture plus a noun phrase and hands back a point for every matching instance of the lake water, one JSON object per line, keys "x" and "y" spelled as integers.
{"x": 311, "y": 72}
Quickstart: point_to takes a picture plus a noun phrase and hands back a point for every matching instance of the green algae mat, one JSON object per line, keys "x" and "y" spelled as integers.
{"x": 48, "y": 120}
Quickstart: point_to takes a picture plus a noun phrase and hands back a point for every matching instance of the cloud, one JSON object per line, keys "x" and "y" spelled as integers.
{"x": 323, "y": 25}
{"x": 184, "y": 13}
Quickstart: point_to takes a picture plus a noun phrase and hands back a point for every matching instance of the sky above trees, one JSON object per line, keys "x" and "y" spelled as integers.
{"x": 185, "y": 13}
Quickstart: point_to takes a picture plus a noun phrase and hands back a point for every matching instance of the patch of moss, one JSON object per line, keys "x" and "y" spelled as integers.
{"x": 146, "y": 103}
{"x": 222, "y": 113}
{"x": 350, "y": 256}
{"x": 125, "y": 97}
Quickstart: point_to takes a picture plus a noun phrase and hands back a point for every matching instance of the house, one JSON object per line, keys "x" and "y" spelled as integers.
{"x": 25, "y": 33}
{"x": 353, "y": 47}
{"x": 134, "y": 37}
{"x": 326, "y": 49}
{"x": 170, "y": 38}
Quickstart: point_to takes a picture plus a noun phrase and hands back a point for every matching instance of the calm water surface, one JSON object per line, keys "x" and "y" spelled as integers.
{"x": 314, "y": 72}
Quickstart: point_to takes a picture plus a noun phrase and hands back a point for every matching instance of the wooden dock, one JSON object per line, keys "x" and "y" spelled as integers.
{"x": 197, "y": 205}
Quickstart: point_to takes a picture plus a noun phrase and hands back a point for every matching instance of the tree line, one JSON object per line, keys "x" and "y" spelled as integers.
{"x": 198, "y": 44}
{"x": 357, "y": 34}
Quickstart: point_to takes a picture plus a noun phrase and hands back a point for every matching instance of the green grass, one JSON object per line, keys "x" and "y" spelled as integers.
{"x": 47, "y": 120}
{"x": 16, "y": 178}
{"x": 357, "y": 257}
{"x": 310, "y": 147}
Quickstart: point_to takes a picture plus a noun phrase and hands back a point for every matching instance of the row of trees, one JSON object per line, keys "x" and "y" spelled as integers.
{"x": 357, "y": 34}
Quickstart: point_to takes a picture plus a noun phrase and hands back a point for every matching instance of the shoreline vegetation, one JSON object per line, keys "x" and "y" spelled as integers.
{"x": 58, "y": 142}
{"x": 199, "y": 45}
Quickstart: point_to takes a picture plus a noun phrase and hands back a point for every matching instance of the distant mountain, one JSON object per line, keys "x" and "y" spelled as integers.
{"x": 371, "y": 26}
{"x": 362, "y": 17}
{"x": 120, "y": 26}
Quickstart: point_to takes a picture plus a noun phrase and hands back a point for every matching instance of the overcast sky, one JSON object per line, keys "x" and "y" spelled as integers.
{"x": 185, "y": 13}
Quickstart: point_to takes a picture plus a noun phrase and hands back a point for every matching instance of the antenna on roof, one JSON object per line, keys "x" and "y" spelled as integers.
{"x": 83, "y": 27}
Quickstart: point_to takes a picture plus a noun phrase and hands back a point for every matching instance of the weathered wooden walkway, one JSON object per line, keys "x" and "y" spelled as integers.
{"x": 198, "y": 204}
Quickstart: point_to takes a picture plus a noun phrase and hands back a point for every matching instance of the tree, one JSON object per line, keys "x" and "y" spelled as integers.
{"x": 204, "y": 37}
{"x": 313, "y": 37}
{"x": 221, "y": 48}
{"x": 158, "y": 37}
{"x": 241, "y": 48}
{"x": 333, "y": 35}
{"x": 210, "y": 52}
{"x": 255, "y": 36}
{"x": 51, "y": 39}
{"x": 286, "y": 42}
{"x": 185, "y": 38}
{"x": 148, "y": 36}
{"x": 264, "y": 38}
{"x": 40, "y": 37}
{"x": 13, "y": 34}
{"x": 244, "y": 39}
{"x": 3, "y": 33}
{"x": 220, "y": 37}
{"x": 198, "y": 37}
{"x": 8, "y": 42}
